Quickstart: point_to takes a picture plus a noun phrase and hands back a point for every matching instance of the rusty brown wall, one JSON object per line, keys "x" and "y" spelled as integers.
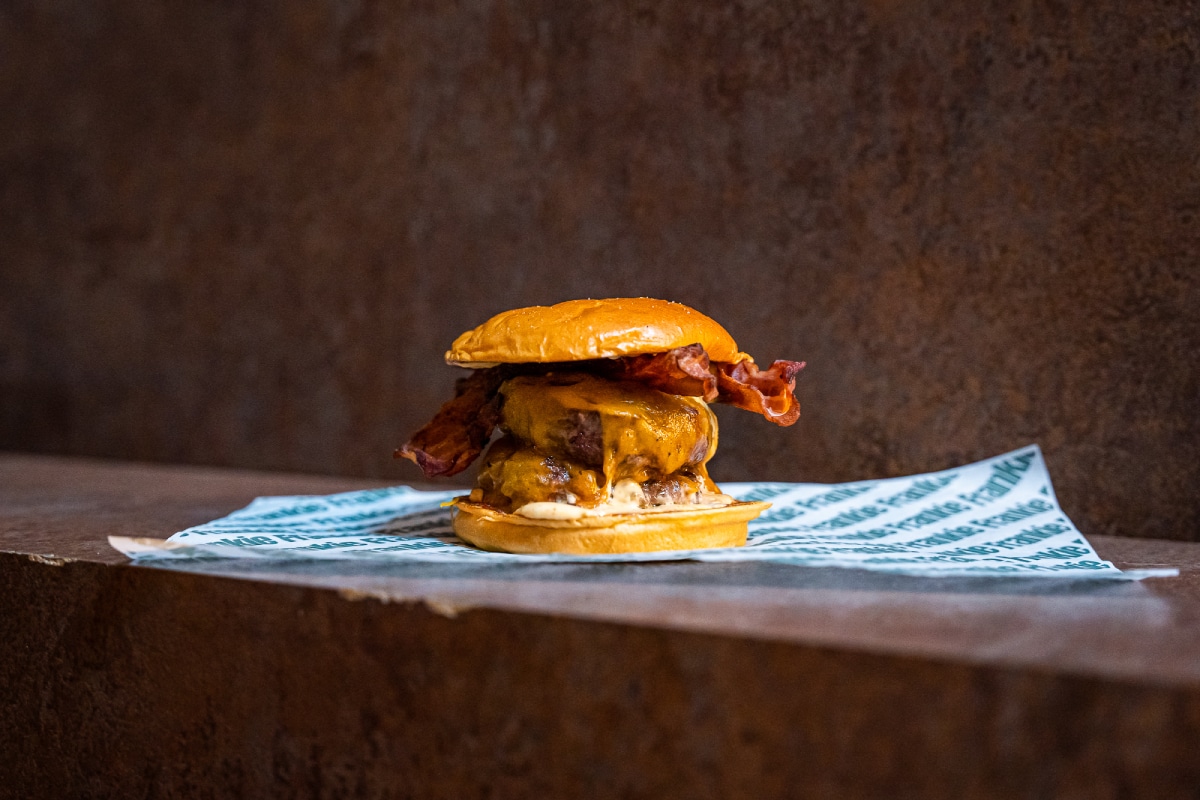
{"x": 244, "y": 233}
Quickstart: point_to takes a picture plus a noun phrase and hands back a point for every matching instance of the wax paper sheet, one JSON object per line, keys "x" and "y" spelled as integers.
{"x": 999, "y": 516}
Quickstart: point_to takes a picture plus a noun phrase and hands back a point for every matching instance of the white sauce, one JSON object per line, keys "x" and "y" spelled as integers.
{"x": 566, "y": 511}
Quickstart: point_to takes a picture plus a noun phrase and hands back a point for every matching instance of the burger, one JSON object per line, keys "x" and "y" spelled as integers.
{"x": 605, "y": 430}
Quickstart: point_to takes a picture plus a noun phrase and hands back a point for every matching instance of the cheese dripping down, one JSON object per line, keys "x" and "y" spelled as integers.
{"x": 584, "y": 442}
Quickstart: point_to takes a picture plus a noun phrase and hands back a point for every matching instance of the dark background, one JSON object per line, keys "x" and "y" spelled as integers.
{"x": 244, "y": 233}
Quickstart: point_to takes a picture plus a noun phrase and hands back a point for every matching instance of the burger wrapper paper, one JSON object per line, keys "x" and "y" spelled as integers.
{"x": 994, "y": 517}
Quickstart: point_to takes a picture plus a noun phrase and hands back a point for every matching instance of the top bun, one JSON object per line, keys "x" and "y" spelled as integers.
{"x": 581, "y": 330}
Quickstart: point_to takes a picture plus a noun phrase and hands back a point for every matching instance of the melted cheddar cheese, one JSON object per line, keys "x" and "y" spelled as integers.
{"x": 573, "y": 437}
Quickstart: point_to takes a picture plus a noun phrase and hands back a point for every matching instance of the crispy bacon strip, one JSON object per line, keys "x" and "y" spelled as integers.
{"x": 688, "y": 371}
{"x": 769, "y": 392}
{"x": 462, "y": 427}
{"x": 684, "y": 370}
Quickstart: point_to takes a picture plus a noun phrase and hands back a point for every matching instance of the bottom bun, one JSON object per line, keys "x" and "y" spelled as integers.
{"x": 688, "y": 529}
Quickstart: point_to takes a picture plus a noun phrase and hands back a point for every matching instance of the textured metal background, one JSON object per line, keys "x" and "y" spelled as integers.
{"x": 243, "y": 234}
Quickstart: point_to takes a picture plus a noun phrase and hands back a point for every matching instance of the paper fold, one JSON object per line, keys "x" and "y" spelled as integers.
{"x": 995, "y": 517}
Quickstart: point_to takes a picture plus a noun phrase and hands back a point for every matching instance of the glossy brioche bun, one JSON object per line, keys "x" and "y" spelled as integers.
{"x": 580, "y": 330}
{"x": 689, "y": 529}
